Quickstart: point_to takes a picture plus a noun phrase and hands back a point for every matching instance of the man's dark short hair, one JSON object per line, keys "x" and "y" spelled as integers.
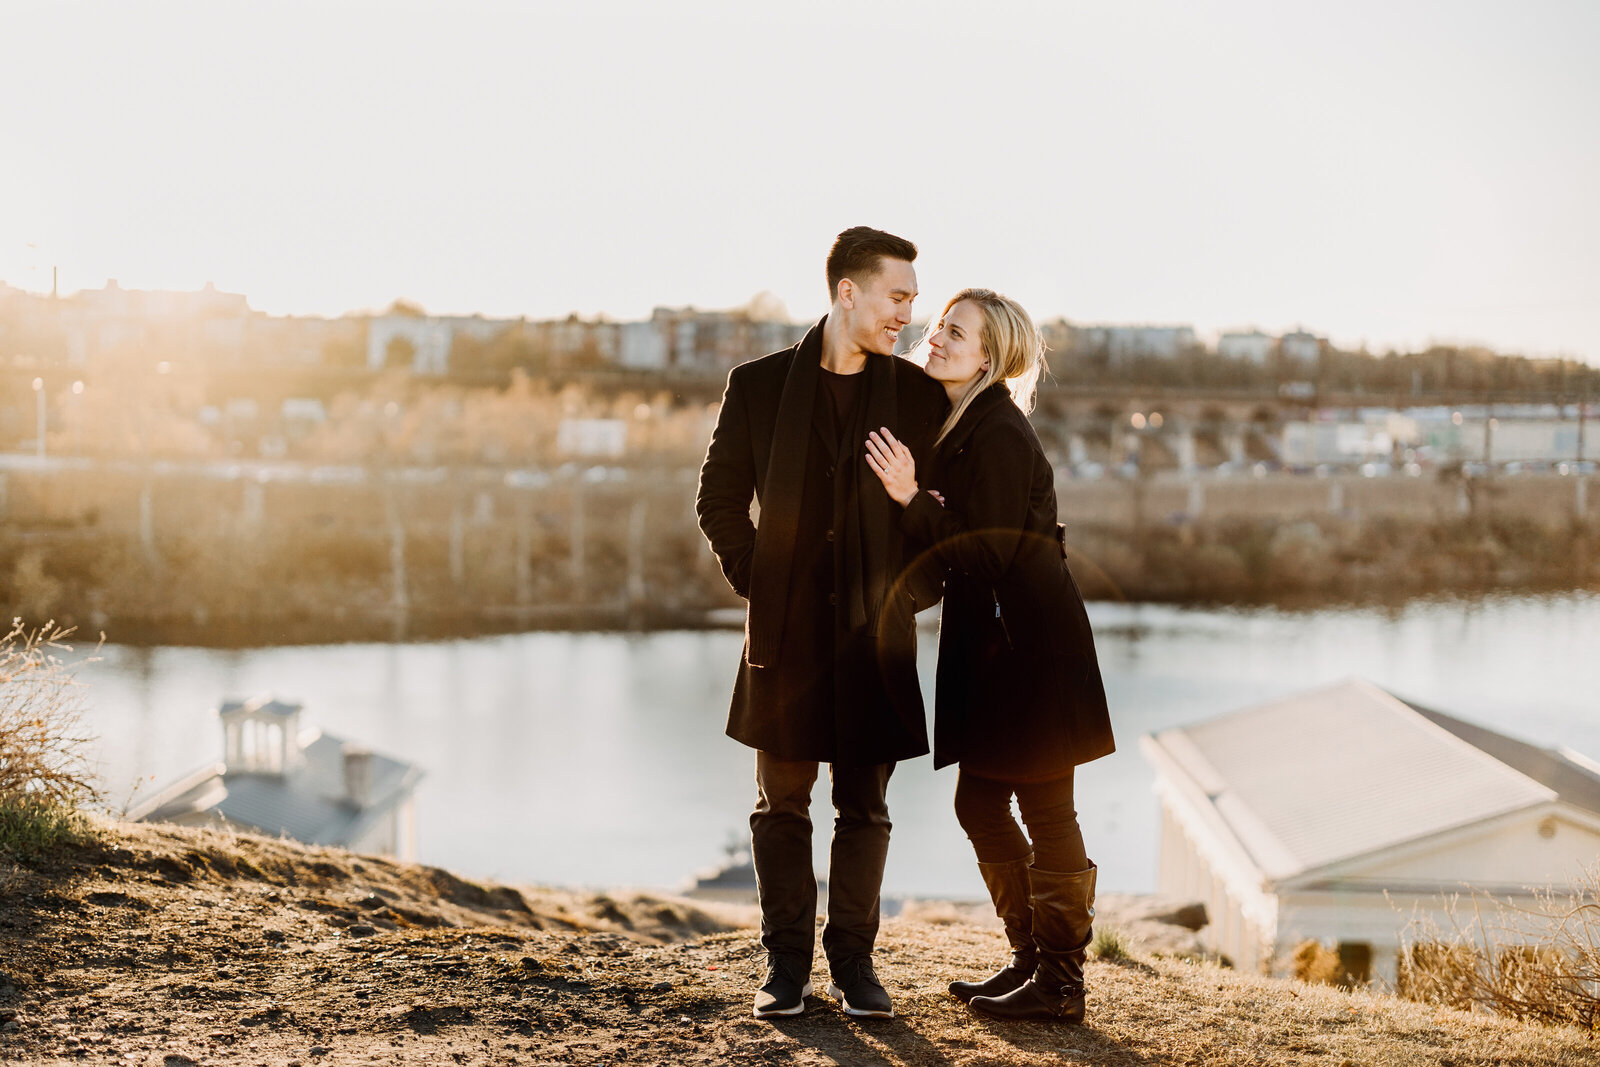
{"x": 858, "y": 254}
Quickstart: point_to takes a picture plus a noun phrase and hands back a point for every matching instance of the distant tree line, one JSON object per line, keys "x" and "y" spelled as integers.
{"x": 1447, "y": 369}
{"x": 1440, "y": 369}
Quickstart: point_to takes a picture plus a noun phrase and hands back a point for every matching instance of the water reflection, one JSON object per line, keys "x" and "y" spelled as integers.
{"x": 599, "y": 759}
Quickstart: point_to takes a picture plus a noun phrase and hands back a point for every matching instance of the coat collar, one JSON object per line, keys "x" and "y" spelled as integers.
{"x": 981, "y": 407}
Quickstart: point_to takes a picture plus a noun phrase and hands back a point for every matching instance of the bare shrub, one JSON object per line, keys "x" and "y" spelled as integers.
{"x": 1538, "y": 962}
{"x": 1314, "y": 962}
{"x": 1348, "y": 965}
{"x": 45, "y": 774}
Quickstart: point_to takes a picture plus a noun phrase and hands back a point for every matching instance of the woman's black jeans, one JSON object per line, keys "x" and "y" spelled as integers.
{"x": 983, "y": 807}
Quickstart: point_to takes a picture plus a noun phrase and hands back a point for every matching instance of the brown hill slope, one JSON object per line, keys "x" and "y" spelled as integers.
{"x": 178, "y": 947}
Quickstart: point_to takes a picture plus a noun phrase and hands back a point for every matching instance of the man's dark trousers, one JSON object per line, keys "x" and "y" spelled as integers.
{"x": 780, "y": 845}
{"x": 829, "y": 669}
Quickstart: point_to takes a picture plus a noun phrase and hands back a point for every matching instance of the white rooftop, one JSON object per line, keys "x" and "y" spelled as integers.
{"x": 307, "y": 802}
{"x": 263, "y": 706}
{"x": 1343, "y": 771}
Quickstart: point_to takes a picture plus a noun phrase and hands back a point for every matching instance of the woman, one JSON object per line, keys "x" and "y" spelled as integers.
{"x": 1019, "y": 702}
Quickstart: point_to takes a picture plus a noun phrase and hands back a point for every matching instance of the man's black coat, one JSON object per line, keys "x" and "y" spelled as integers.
{"x": 829, "y": 665}
{"x": 1019, "y": 695}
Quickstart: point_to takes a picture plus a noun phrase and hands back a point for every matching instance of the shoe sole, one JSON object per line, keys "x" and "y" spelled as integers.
{"x": 796, "y": 1010}
{"x": 861, "y": 1013}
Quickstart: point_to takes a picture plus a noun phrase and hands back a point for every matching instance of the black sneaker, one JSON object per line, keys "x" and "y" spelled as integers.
{"x": 856, "y": 987}
{"x": 786, "y": 988}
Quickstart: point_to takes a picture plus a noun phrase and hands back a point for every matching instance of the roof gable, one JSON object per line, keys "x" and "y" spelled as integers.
{"x": 1546, "y": 845}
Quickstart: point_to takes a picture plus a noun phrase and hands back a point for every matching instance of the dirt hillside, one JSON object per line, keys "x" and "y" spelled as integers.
{"x": 177, "y": 947}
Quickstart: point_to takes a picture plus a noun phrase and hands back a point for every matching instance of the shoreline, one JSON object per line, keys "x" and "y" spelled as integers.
{"x": 246, "y": 633}
{"x": 186, "y": 562}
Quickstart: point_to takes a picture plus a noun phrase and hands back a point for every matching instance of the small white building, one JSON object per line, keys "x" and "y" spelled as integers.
{"x": 1374, "y": 433}
{"x": 429, "y": 338}
{"x": 312, "y": 786}
{"x": 1249, "y": 346}
{"x": 1300, "y": 347}
{"x": 1335, "y": 815}
{"x": 642, "y": 345}
{"x": 592, "y": 437}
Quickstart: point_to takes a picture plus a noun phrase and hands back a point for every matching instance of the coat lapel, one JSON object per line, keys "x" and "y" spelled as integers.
{"x": 981, "y": 405}
{"x": 780, "y": 501}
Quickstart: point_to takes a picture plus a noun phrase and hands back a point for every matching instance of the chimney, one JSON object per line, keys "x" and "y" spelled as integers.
{"x": 357, "y": 776}
{"x": 261, "y": 736}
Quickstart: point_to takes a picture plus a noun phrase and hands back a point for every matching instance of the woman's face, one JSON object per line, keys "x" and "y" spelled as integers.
{"x": 955, "y": 354}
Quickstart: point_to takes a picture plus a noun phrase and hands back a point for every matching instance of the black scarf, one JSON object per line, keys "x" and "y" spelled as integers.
{"x": 870, "y": 551}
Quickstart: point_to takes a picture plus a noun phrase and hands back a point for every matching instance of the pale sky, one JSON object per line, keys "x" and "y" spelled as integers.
{"x": 1389, "y": 172}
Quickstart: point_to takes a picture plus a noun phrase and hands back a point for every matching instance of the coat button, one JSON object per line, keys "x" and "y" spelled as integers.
{"x": 833, "y": 599}
{"x": 829, "y": 535}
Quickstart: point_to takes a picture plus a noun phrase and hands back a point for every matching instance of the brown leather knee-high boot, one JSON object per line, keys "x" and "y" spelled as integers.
{"x": 1063, "y": 926}
{"x": 1008, "y": 888}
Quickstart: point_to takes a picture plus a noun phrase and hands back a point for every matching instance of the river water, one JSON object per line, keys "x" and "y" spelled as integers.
{"x": 599, "y": 759}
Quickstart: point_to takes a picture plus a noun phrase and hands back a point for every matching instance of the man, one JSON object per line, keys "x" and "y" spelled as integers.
{"x": 828, "y": 673}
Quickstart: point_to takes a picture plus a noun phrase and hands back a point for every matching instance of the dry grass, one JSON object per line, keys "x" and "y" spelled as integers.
{"x": 45, "y": 775}
{"x": 1538, "y": 962}
{"x": 161, "y": 944}
{"x": 1109, "y": 944}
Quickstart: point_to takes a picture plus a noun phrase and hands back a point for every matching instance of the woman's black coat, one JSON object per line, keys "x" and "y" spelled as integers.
{"x": 1019, "y": 695}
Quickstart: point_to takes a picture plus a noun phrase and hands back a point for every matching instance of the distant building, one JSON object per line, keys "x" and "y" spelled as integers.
{"x": 299, "y": 341}
{"x": 575, "y": 340}
{"x": 1300, "y": 347}
{"x": 1057, "y": 335}
{"x": 681, "y": 339}
{"x": 114, "y": 302}
{"x": 715, "y": 341}
{"x": 117, "y": 324}
{"x": 313, "y": 787}
{"x": 30, "y": 326}
{"x": 1119, "y": 344}
{"x": 1332, "y": 814}
{"x": 424, "y": 340}
{"x": 1249, "y": 346}
{"x": 642, "y": 345}
{"x": 1373, "y": 434}
{"x": 1520, "y": 433}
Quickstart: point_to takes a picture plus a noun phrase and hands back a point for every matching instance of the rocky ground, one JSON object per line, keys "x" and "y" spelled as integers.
{"x": 179, "y": 947}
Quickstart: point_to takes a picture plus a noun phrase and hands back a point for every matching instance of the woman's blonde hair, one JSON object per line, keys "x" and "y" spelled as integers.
{"x": 1010, "y": 341}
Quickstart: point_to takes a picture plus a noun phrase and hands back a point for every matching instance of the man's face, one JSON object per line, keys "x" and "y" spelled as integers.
{"x": 879, "y": 307}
